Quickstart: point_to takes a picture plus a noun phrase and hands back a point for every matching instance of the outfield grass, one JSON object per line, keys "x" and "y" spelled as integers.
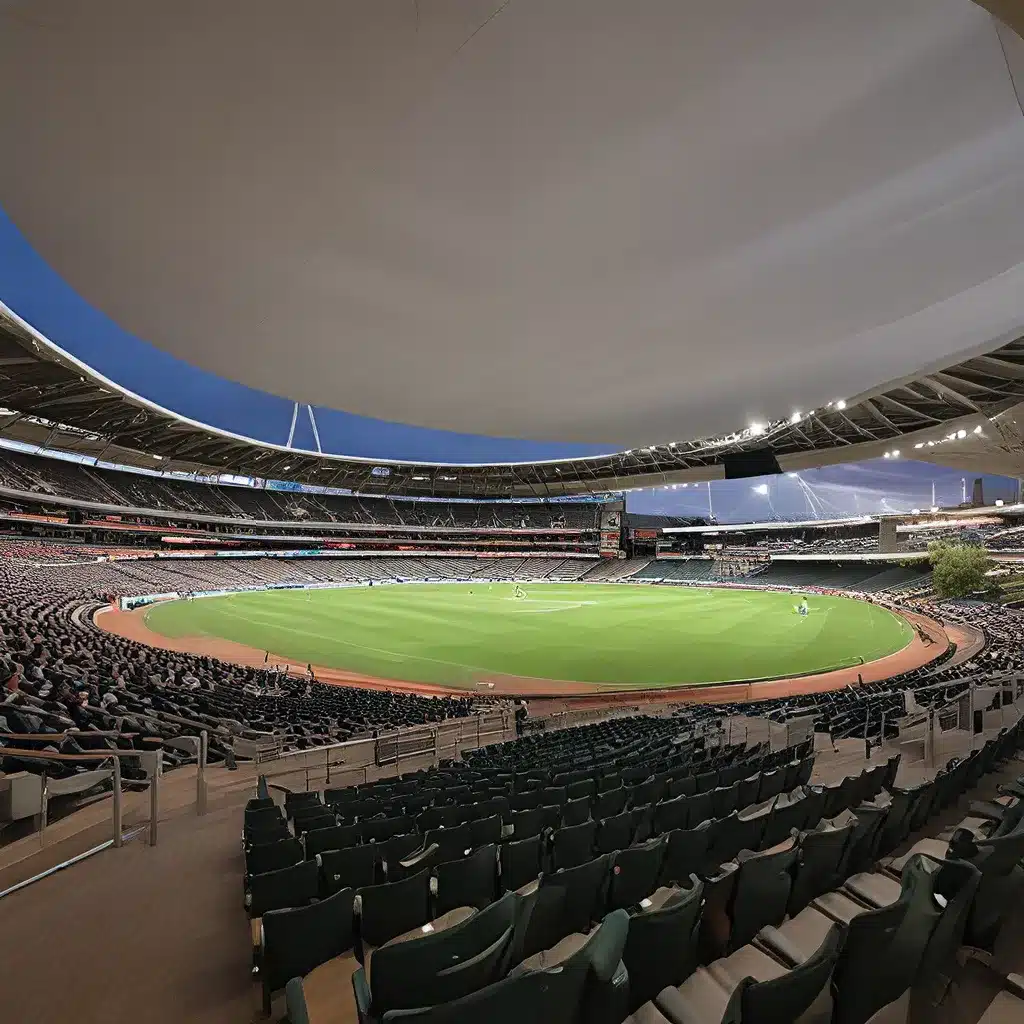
{"x": 459, "y": 634}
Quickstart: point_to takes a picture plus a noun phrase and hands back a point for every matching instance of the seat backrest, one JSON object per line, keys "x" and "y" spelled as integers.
{"x": 526, "y": 800}
{"x": 469, "y": 882}
{"x": 576, "y": 812}
{"x": 520, "y": 862}
{"x": 661, "y": 948}
{"x": 582, "y": 787}
{"x": 614, "y": 833}
{"x": 700, "y": 807}
{"x": 555, "y": 795}
{"x": 526, "y": 823}
{"x": 783, "y": 821}
{"x": 788, "y": 997}
{"x": 609, "y": 803}
{"x": 485, "y": 830}
{"x": 452, "y": 842}
{"x": 433, "y": 968}
{"x": 707, "y": 781}
{"x": 384, "y": 912}
{"x": 771, "y": 784}
{"x": 293, "y": 886}
{"x": 957, "y": 882}
{"x": 271, "y": 856}
{"x": 750, "y": 786}
{"x": 336, "y": 837}
{"x": 685, "y": 854}
{"x": 671, "y": 814}
{"x": 573, "y": 845}
{"x": 296, "y": 941}
{"x": 883, "y": 948}
{"x": 551, "y": 995}
{"x": 585, "y": 890}
{"x": 380, "y": 829}
{"x": 635, "y": 873}
{"x": 823, "y": 857}
{"x": 347, "y": 869}
{"x": 685, "y": 785}
{"x": 761, "y": 894}
{"x": 261, "y": 813}
{"x": 724, "y": 800}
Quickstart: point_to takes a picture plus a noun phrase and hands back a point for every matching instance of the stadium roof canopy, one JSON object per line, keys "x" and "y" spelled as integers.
{"x": 49, "y": 399}
{"x": 583, "y": 225}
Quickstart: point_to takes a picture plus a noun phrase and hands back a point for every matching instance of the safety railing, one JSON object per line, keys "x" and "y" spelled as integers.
{"x": 354, "y": 762}
{"x": 28, "y": 794}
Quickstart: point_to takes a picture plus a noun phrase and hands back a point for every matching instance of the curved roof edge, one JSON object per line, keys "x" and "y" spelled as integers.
{"x": 57, "y": 401}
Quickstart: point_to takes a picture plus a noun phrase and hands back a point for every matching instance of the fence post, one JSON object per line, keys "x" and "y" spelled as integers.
{"x": 117, "y": 802}
{"x": 154, "y": 794}
{"x": 201, "y": 773}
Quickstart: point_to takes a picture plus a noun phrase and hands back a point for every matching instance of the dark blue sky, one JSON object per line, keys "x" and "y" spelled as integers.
{"x": 861, "y": 488}
{"x": 39, "y": 296}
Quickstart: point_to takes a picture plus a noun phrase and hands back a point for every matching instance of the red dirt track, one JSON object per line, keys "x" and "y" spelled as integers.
{"x": 549, "y": 695}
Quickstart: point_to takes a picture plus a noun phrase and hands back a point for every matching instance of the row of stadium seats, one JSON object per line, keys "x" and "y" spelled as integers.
{"x": 794, "y": 920}
{"x": 48, "y": 476}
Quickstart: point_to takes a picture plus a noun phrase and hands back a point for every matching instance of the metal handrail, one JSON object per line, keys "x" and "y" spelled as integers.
{"x": 116, "y": 755}
{"x": 152, "y": 759}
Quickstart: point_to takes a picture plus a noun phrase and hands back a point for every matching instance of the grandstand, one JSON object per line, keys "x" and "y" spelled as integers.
{"x": 397, "y": 710}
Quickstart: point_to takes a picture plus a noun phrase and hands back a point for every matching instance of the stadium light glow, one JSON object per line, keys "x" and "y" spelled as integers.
{"x": 935, "y": 508}
{"x": 419, "y": 478}
{"x": 795, "y": 418}
{"x": 895, "y": 453}
{"x": 791, "y": 475}
{"x": 977, "y": 429}
{"x": 841, "y": 404}
{"x": 887, "y": 456}
{"x": 760, "y": 488}
{"x": 287, "y": 467}
{"x": 999, "y": 502}
{"x": 931, "y": 444}
{"x": 915, "y": 511}
{"x": 920, "y": 444}
{"x": 961, "y": 434}
{"x": 756, "y": 428}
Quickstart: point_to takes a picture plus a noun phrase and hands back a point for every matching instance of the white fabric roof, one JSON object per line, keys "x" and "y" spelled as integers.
{"x": 573, "y": 220}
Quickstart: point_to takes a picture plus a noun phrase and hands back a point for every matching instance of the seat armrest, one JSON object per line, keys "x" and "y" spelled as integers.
{"x": 986, "y": 809}
{"x": 963, "y": 844}
{"x": 362, "y": 994}
{"x": 1014, "y": 984}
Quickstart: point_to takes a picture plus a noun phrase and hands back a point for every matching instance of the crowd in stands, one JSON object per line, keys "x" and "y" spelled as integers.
{"x": 44, "y": 477}
{"x": 60, "y": 674}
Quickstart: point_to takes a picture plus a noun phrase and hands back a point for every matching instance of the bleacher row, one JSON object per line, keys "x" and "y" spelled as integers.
{"x": 777, "y": 916}
{"x": 48, "y": 476}
{"x": 867, "y": 578}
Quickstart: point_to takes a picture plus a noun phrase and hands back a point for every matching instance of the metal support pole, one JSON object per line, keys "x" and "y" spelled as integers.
{"x": 117, "y": 803}
{"x": 201, "y": 792}
{"x": 154, "y": 794}
{"x": 970, "y": 712}
{"x": 44, "y": 808}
